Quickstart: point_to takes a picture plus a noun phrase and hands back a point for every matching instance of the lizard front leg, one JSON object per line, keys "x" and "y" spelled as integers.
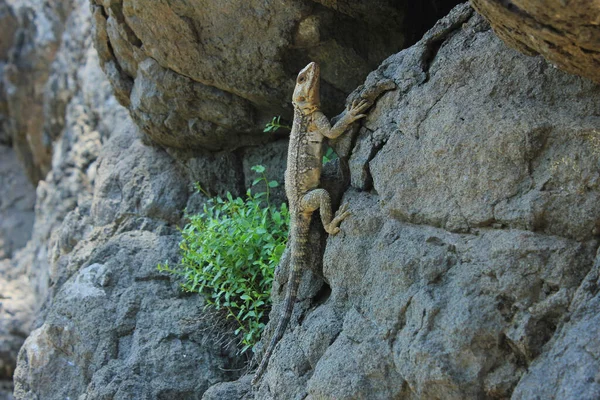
{"x": 319, "y": 198}
{"x": 353, "y": 113}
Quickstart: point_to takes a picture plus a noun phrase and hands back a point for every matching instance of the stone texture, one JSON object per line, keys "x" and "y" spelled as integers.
{"x": 26, "y": 73}
{"x": 541, "y": 175}
{"x": 234, "y": 63}
{"x": 462, "y": 271}
{"x": 8, "y": 27}
{"x": 570, "y": 367}
{"x": 109, "y": 323}
{"x": 16, "y": 298}
{"x": 238, "y": 390}
{"x": 16, "y": 314}
{"x": 16, "y": 204}
{"x": 468, "y": 269}
{"x": 566, "y": 33}
{"x": 113, "y": 326}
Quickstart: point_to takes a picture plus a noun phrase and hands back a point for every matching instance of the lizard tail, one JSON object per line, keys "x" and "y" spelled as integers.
{"x": 299, "y": 245}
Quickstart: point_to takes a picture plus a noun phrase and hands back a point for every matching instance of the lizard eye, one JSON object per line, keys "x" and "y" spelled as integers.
{"x": 301, "y": 79}
{"x": 301, "y": 98}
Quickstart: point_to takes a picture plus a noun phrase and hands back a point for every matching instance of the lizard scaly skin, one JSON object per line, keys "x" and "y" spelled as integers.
{"x": 302, "y": 179}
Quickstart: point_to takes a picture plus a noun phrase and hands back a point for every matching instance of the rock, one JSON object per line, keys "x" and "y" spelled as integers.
{"x": 30, "y": 61}
{"x": 6, "y": 389}
{"x": 16, "y": 315}
{"x": 238, "y": 390}
{"x": 137, "y": 180}
{"x": 462, "y": 271}
{"x": 113, "y": 325}
{"x": 465, "y": 271}
{"x": 566, "y": 33}
{"x": 485, "y": 172}
{"x": 234, "y": 65}
{"x": 8, "y": 27}
{"x": 16, "y": 204}
{"x": 17, "y": 200}
{"x": 117, "y": 326}
{"x": 569, "y": 368}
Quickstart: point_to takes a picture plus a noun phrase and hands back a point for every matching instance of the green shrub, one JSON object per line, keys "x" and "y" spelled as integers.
{"x": 229, "y": 253}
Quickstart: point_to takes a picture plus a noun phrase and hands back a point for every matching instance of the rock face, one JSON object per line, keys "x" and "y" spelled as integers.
{"x": 8, "y": 27}
{"x": 16, "y": 204}
{"x": 16, "y": 316}
{"x": 16, "y": 297}
{"x": 566, "y": 33}
{"x": 467, "y": 267}
{"x": 234, "y": 63}
{"x": 110, "y": 322}
{"x": 30, "y": 94}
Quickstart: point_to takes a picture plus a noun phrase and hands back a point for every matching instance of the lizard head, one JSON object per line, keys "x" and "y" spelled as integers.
{"x": 306, "y": 93}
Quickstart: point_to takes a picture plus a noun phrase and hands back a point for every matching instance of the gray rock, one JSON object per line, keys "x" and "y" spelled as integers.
{"x": 8, "y": 27}
{"x": 16, "y": 314}
{"x": 113, "y": 325}
{"x": 238, "y": 390}
{"x": 465, "y": 271}
{"x": 569, "y": 368}
{"x": 16, "y": 204}
{"x": 117, "y": 327}
{"x": 565, "y": 33}
{"x": 233, "y": 66}
{"x": 136, "y": 180}
{"x": 462, "y": 271}
{"x": 6, "y": 390}
{"x": 484, "y": 171}
{"x": 16, "y": 298}
{"x": 29, "y": 64}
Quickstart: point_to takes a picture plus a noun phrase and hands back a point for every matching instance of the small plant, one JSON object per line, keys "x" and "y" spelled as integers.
{"x": 229, "y": 252}
{"x": 329, "y": 155}
{"x": 275, "y": 124}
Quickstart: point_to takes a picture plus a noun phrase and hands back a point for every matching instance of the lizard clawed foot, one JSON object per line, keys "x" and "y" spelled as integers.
{"x": 340, "y": 215}
{"x": 356, "y": 108}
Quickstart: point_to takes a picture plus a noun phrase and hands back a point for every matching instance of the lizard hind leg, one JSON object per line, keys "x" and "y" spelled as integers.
{"x": 319, "y": 198}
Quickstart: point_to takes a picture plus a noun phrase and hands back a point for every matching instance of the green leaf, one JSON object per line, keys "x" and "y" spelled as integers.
{"x": 228, "y": 254}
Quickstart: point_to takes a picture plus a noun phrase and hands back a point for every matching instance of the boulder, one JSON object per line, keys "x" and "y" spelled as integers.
{"x": 16, "y": 204}
{"x": 8, "y": 27}
{"x": 16, "y": 315}
{"x": 467, "y": 267}
{"x": 210, "y": 74}
{"x": 566, "y": 33}
{"x": 26, "y": 73}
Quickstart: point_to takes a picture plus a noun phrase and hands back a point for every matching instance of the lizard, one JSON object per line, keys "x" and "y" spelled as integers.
{"x": 310, "y": 128}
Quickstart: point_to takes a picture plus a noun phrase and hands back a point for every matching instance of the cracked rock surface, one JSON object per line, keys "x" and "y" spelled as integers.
{"x": 565, "y": 32}
{"x": 468, "y": 268}
{"x": 210, "y": 74}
